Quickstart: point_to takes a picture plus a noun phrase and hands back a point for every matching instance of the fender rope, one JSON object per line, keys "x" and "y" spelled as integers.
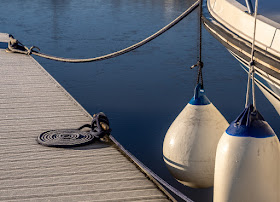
{"x": 251, "y": 72}
{"x": 199, "y": 63}
{"x": 108, "y": 56}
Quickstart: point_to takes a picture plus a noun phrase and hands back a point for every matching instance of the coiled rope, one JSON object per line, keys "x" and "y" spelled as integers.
{"x": 31, "y": 50}
{"x": 251, "y": 72}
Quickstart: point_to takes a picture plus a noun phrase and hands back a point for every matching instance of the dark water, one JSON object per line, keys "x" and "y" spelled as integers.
{"x": 143, "y": 91}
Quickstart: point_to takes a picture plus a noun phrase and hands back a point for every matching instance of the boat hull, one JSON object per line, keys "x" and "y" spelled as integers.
{"x": 267, "y": 65}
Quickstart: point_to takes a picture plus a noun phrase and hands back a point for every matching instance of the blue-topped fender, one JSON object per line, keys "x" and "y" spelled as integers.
{"x": 199, "y": 98}
{"x": 250, "y": 123}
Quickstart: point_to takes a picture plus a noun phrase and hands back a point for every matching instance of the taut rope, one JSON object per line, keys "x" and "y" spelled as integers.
{"x": 199, "y": 63}
{"x": 251, "y": 72}
{"x": 28, "y": 51}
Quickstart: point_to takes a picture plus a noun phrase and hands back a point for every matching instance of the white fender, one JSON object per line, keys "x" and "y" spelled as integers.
{"x": 190, "y": 143}
{"x": 247, "y": 161}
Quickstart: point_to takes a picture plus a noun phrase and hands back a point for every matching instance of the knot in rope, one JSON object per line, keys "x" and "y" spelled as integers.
{"x": 251, "y": 72}
{"x": 99, "y": 125}
{"x": 16, "y": 46}
{"x": 252, "y": 63}
{"x": 30, "y": 50}
{"x": 198, "y": 64}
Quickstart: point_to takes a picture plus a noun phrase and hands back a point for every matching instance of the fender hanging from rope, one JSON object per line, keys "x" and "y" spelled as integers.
{"x": 248, "y": 153}
{"x": 24, "y": 50}
{"x": 189, "y": 146}
{"x": 190, "y": 143}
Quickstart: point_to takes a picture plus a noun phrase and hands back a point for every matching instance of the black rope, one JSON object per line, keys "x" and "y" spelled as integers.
{"x": 199, "y": 64}
{"x": 199, "y": 75}
{"x": 201, "y": 80}
{"x": 200, "y": 31}
{"x": 99, "y": 125}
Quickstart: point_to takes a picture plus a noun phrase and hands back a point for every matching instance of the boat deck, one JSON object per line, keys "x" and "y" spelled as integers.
{"x": 31, "y": 102}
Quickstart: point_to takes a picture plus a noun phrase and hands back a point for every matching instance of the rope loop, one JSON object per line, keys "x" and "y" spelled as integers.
{"x": 200, "y": 65}
{"x": 252, "y": 63}
{"x": 30, "y": 50}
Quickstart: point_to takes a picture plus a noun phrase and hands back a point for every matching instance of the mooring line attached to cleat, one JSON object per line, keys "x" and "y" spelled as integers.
{"x": 12, "y": 45}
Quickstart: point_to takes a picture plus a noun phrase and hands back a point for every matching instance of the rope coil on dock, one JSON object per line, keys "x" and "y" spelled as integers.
{"x": 75, "y": 137}
{"x": 14, "y": 48}
{"x": 12, "y": 45}
{"x": 65, "y": 138}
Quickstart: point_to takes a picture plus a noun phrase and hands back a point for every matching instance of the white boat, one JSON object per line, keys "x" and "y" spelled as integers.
{"x": 232, "y": 23}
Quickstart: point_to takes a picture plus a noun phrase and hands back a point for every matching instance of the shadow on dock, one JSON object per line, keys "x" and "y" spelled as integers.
{"x": 94, "y": 145}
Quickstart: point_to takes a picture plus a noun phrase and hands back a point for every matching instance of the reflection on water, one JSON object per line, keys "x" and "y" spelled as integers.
{"x": 58, "y": 8}
{"x": 142, "y": 92}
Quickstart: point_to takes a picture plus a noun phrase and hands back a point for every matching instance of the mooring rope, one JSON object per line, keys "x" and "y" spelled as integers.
{"x": 251, "y": 72}
{"x": 111, "y": 55}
